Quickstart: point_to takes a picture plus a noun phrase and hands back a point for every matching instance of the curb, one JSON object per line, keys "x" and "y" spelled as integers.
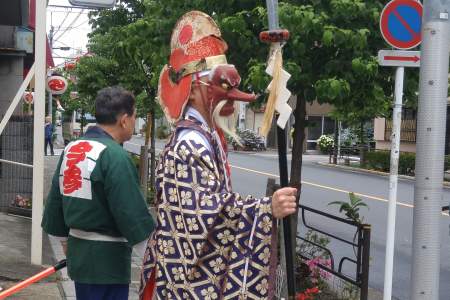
{"x": 446, "y": 184}
{"x": 65, "y": 284}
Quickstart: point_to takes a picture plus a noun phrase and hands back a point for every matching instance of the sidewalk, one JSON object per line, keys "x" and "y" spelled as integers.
{"x": 15, "y": 265}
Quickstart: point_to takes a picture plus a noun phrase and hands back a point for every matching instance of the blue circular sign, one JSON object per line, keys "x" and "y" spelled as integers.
{"x": 401, "y": 22}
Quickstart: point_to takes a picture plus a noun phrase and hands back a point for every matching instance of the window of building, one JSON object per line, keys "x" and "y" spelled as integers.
{"x": 317, "y": 126}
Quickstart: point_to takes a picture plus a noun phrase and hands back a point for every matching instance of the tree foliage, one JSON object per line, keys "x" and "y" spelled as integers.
{"x": 331, "y": 54}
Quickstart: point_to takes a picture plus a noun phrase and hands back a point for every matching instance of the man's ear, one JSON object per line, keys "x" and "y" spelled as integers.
{"x": 123, "y": 120}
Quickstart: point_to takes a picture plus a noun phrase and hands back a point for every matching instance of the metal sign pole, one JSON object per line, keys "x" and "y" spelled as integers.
{"x": 38, "y": 139}
{"x": 49, "y": 73}
{"x": 393, "y": 182}
{"x": 430, "y": 151}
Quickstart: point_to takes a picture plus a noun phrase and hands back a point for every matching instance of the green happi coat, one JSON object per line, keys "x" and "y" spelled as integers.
{"x": 96, "y": 201}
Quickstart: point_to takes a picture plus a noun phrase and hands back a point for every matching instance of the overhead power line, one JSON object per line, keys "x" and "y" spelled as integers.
{"x": 60, "y": 24}
{"x": 71, "y": 24}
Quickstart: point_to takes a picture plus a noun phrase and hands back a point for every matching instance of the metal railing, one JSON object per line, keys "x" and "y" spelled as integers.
{"x": 361, "y": 243}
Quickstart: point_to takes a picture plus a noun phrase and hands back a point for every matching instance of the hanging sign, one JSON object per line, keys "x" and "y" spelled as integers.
{"x": 400, "y": 23}
{"x": 56, "y": 85}
{"x": 70, "y": 65}
{"x": 28, "y": 97}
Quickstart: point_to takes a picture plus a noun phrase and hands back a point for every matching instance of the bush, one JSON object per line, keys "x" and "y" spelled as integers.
{"x": 446, "y": 162}
{"x": 325, "y": 143}
{"x": 162, "y": 132}
{"x": 380, "y": 160}
{"x": 136, "y": 161}
{"x": 407, "y": 163}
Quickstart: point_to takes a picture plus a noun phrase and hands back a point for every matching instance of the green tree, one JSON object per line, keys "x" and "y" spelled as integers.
{"x": 331, "y": 54}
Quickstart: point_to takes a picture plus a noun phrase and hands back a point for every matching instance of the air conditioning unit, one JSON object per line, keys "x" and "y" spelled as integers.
{"x": 24, "y": 40}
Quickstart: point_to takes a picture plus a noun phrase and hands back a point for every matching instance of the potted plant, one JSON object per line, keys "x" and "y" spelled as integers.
{"x": 20, "y": 206}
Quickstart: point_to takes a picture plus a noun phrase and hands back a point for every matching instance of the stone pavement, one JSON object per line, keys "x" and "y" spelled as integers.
{"x": 15, "y": 265}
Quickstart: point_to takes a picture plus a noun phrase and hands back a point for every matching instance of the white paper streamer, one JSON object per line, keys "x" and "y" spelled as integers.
{"x": 283, "y": 94}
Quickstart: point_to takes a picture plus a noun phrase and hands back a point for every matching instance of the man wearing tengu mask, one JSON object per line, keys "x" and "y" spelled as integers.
{"x": 209, "y": 243}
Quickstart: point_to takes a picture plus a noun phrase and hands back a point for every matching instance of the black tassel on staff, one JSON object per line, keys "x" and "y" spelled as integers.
{"x": 276, "y": 35}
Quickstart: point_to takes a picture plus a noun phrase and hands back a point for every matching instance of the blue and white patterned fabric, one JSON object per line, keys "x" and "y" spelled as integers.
{"x": 210, "y": 243}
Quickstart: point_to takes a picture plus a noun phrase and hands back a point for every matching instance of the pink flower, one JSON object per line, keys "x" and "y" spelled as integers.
{"x": 308, "y": 294}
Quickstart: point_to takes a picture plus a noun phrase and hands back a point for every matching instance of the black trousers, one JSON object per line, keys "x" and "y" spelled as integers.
{"x": 48, "y": 141}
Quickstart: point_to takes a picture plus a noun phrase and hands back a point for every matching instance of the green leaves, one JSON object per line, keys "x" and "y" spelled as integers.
{"x": 351, "y": 208}
{"x": 332, "y": 89}
{"x": 327, "y": 37}
{"x": 331, "y": 54}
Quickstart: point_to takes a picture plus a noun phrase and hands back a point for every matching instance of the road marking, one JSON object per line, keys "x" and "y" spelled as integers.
{"x": 330, "y": 188}
{"x": 316, "y": 185}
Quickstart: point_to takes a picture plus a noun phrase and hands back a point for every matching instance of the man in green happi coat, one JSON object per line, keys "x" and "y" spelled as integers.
{"x": 95, "y": 202}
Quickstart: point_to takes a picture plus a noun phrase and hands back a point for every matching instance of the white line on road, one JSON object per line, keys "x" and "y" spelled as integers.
{"x": 330, "y": 188}
{"x": 317, "y": 185}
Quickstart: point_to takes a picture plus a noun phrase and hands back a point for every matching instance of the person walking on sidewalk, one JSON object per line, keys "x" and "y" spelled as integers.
{"x": 49, "y": 134}
{"x": 210, "y": 242}
{"x": 96, "y": 202}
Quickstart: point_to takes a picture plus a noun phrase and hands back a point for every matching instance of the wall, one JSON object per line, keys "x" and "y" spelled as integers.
{"x": 404, "y": 147}
{"x": 316, "y": 109}
{"x": 378, "y": 129}
{"x": 253, "y": 120}
{"x": 381, "y": 144}
{"x": 11, "y": 77}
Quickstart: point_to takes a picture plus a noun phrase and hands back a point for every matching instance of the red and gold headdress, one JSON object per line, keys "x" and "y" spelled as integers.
{"x": 196, "y": 45}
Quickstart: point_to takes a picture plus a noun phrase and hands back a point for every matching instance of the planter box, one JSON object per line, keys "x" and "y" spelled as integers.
{"x": 18, "y": 211}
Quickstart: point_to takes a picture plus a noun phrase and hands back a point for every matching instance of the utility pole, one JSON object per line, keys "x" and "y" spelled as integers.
{"x": 430, "y": 150}
{"x": 38, "y": 138}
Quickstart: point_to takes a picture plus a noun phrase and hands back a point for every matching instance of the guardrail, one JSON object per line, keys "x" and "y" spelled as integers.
{"x": 361, "y": 243}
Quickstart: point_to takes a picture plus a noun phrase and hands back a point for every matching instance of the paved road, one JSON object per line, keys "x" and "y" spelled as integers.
{"x": 323, "y": 185}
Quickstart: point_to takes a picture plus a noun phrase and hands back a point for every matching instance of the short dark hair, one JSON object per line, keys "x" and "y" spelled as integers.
{"x": 112, "y": 102}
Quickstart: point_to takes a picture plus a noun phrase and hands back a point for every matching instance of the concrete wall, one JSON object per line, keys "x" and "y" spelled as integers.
{"x": 378, "y": 129}
{"x": 316, "y": 109}
{"x": 11, "y": 77}
{"x": 381, "y": 144}
{"x": 404, "y": 146}
{"x": 7, "y": 37}
{"x": 253, "y": 120}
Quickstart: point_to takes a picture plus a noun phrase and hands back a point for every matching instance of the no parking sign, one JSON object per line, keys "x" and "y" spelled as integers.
{"x": 401, "y": 22}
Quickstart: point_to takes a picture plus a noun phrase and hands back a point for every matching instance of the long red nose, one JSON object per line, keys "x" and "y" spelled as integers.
{"x": 237, "y": 95}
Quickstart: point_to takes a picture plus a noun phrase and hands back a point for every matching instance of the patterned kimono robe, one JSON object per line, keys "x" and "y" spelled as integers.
{"x": 210, "y": 243}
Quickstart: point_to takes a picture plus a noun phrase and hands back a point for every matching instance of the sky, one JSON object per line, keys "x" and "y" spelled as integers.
{"x": 70, "y": 29}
